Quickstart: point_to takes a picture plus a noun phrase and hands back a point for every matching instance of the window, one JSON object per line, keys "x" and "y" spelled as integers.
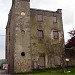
{"x": 9, "y": 35}
{"x": 57, "y": 60}
{"x": 55, "y": 34}
{"x": 54, "y": 19}
{"x": 39, "y": 17}
{"x": 22, "y": 53}
{"x": 40, "y": 33}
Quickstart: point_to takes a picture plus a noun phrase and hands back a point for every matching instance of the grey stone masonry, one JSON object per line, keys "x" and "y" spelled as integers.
{"x": 22, "y": 53}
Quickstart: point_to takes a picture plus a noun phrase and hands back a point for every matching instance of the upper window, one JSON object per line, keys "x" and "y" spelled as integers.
{"x": 55, "y": 34}
{"x": 40, "y": 33}
{"x": 54, "y": 19}
{"x": 39, "y": 17}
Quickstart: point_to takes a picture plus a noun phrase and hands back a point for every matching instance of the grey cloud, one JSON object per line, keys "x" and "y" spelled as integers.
{"x": 2, "y": 54}
{"x": 43, "y": 4}
{"x": 5, "y": 5}
{"x": 68, "y": 16}
{"x": 2, "y": 43}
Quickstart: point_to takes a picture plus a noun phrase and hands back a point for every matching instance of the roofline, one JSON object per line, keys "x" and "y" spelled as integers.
{"x": 42, "y": 10}
{"x": 57, "y": 11}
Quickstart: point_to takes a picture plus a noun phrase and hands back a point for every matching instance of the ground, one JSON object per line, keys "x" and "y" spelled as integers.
{"x": 53, "y": 71}
{"x": 57, "y": 71}
{"x": 2, "y": 72}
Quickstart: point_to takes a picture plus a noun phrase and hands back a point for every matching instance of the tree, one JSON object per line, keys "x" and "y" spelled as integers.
{"x": 72, "y": 33}
{"x": 70, "y": 46}
{"x": 71, "y": 42}
{"x": 1, "y": 63}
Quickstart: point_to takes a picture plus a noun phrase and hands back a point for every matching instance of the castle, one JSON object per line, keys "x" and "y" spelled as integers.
{"x": 34, "y": 38}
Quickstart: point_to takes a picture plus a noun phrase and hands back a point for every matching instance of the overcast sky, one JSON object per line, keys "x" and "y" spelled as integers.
{"x": 67, "y": 7}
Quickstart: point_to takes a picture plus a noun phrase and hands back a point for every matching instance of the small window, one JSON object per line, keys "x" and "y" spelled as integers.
{"x": 40, "y": 33}
{"x": 9, "y": 35}
{"x": 39, "y": 17}
{"x": 55, "y": 34}
{"x": 54, "y": 19}
{"x": 22, "y": 53}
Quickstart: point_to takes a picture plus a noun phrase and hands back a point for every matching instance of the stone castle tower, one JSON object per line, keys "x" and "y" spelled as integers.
{"x": 34, "y": 38}
{"x": 19, "y": 29}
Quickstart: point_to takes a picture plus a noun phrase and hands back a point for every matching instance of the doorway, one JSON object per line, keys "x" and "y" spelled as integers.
{"x": 41, "y": 61}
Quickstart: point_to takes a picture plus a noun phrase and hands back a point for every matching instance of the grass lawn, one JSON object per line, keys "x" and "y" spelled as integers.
{"x": 52, "y": 73}
{"x": 57, "y": 71}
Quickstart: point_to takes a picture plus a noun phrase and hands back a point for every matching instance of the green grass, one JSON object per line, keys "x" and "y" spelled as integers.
{"x": 52, "y": 71}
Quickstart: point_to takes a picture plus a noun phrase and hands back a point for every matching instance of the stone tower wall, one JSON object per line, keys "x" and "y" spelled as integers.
{"x": 10, "y": 39}
{"x": 18, "y": 54}
{"x": 22, "y": 51}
